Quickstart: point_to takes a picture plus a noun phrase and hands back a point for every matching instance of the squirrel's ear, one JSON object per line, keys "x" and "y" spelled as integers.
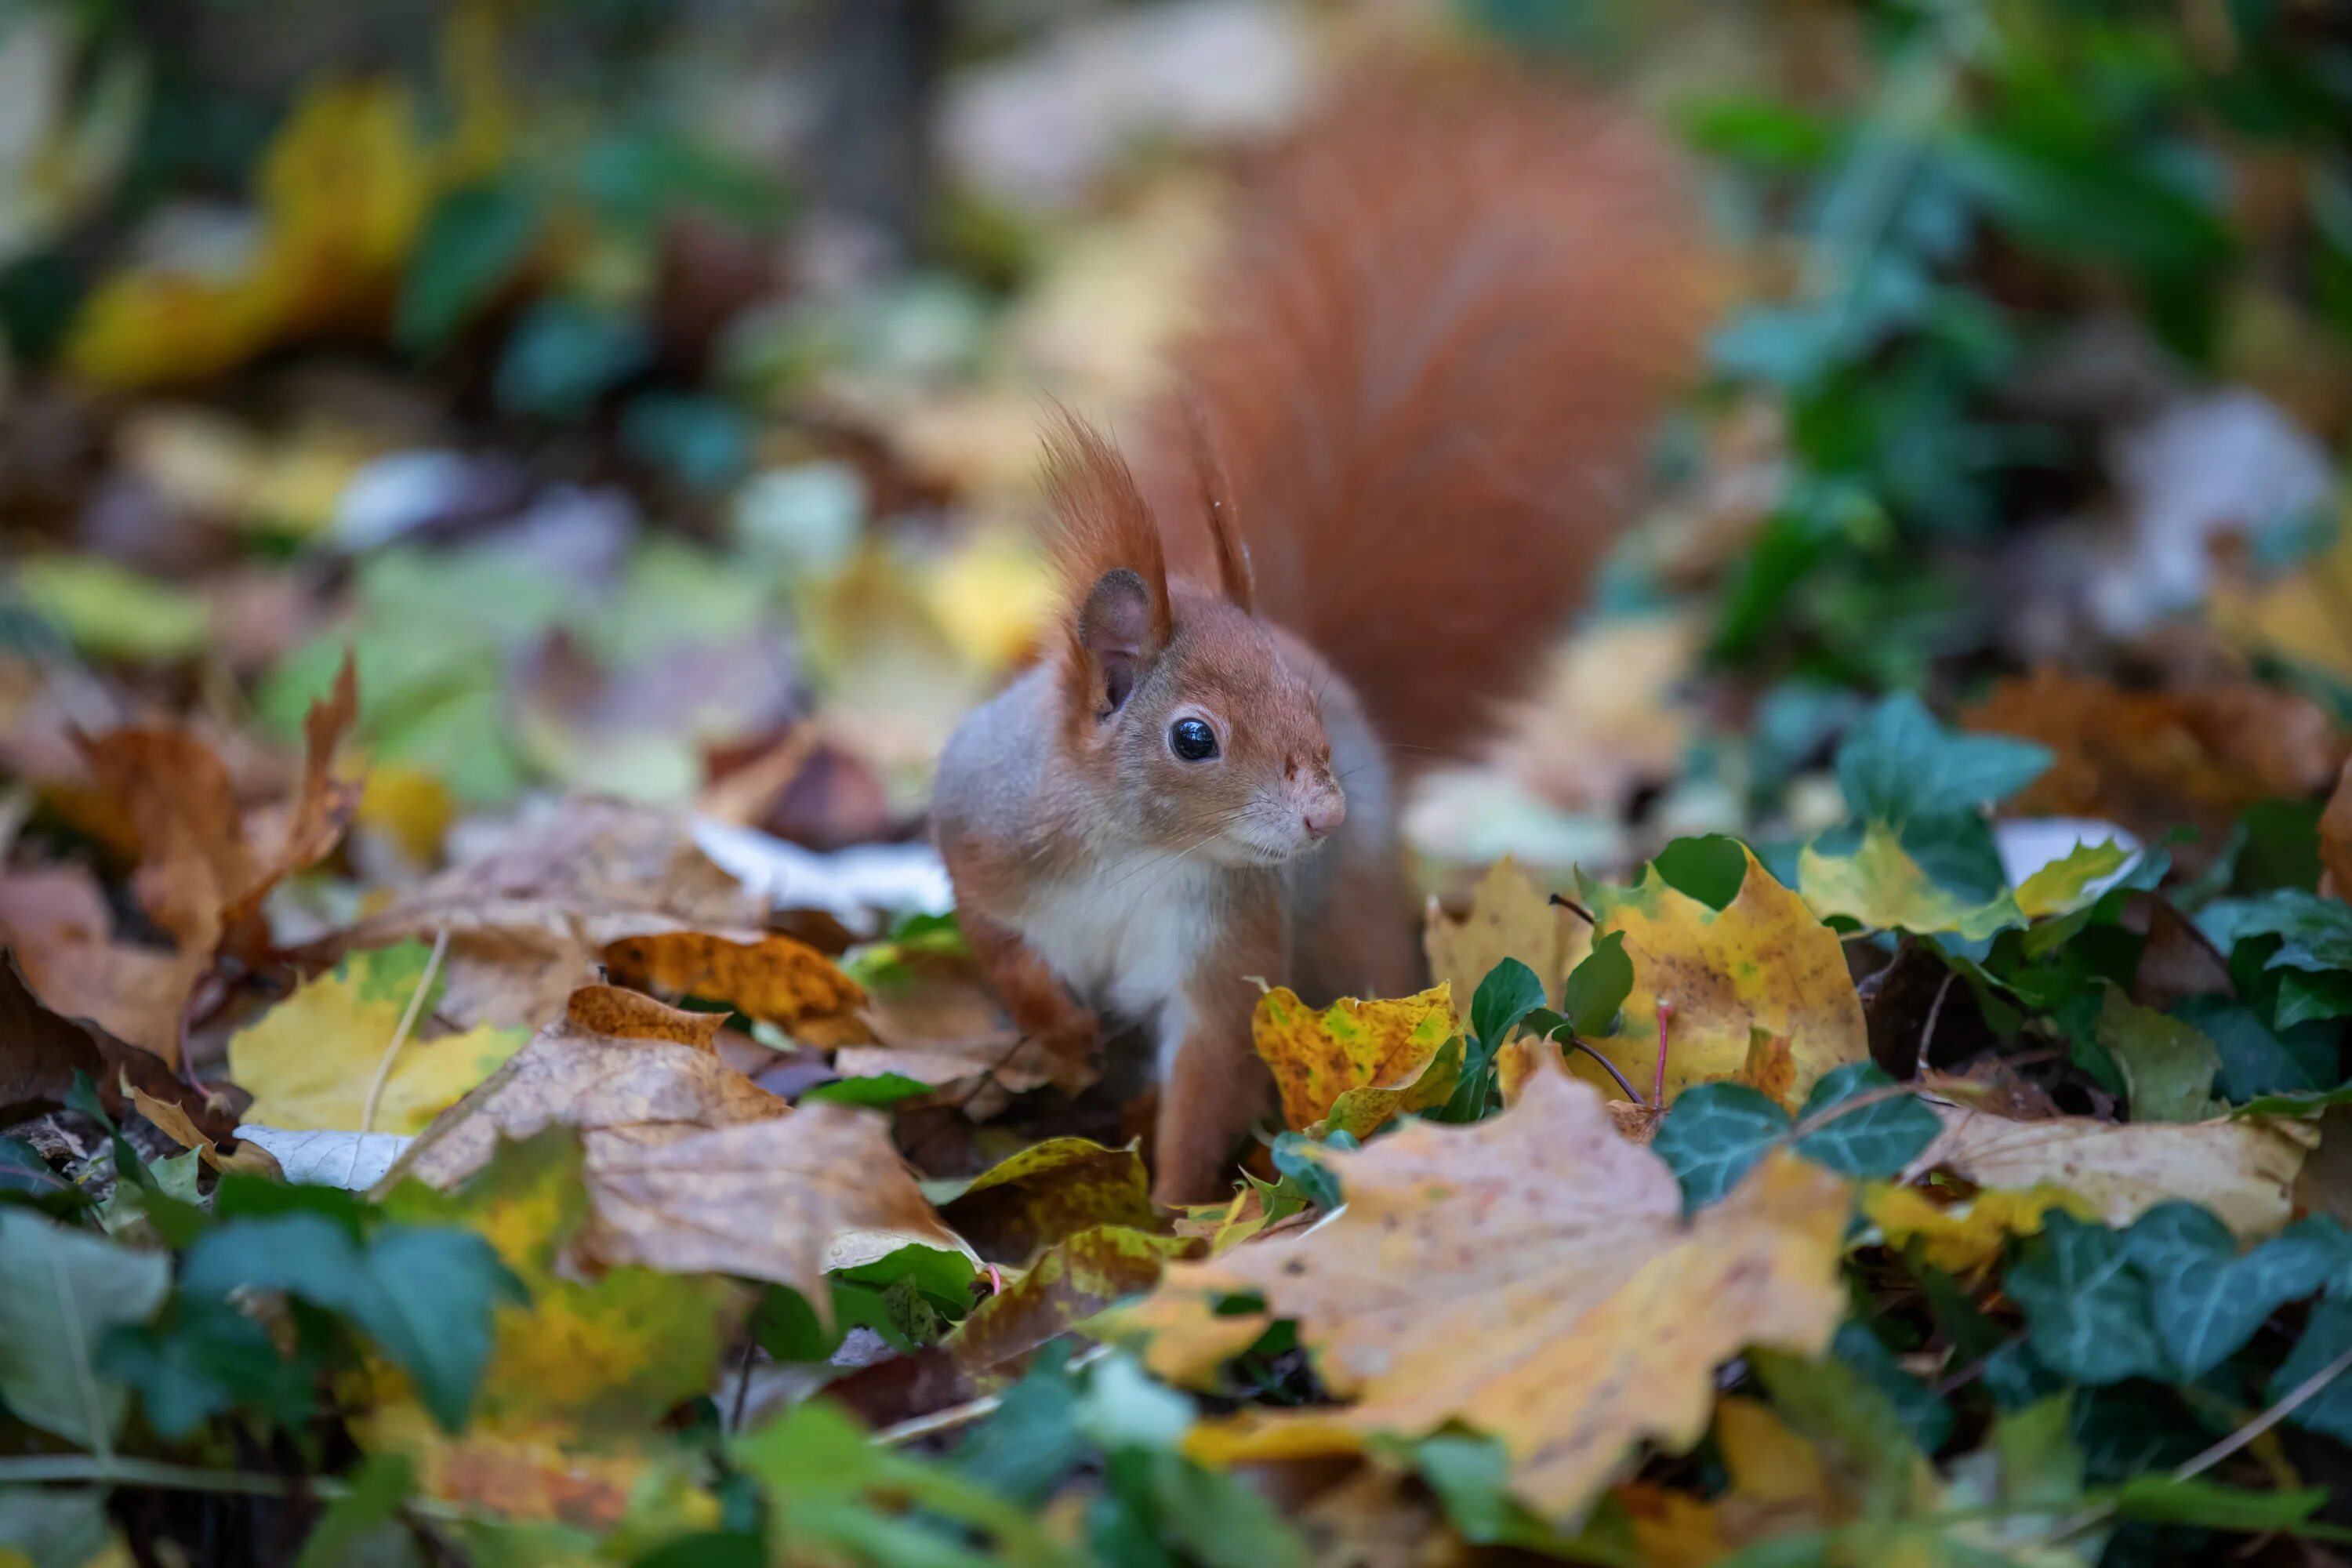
{"x": 1234, "y": 575}
{"x": 1116, "y": 631}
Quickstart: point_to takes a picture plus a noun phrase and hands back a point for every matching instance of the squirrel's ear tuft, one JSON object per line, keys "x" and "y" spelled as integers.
{"x": 1114, "y": 633}
{"x": 1217, "y": 509}
{"x": 1108, "y": 552}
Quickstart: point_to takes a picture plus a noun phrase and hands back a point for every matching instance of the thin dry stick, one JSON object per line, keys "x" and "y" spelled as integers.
{"x": 400, "y": 1035}
{"x": 1934, "y": 1011}
{"x": 1572, "y": 906}
{"x": 2302, "y": 1393}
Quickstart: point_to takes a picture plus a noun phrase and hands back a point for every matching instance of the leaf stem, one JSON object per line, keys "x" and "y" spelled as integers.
{"x": 1606, "y": 1065}
{"x": 1934, "y": 1011}
{"x": 400, "y": 1035}
{"x": 108, "y": 1471}
{"x": 1563, "y": 901}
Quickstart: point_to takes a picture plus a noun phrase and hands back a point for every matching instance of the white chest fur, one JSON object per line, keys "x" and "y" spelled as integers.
{"x": 1129, "y": 936}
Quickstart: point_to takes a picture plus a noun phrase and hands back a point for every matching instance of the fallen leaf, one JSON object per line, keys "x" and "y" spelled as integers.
{"x": 1763, "y": 962}
{"x": 54, "y": 921}
{"x": 1509, "y": 917}
{"x": 309, "y": 1060}
{"x": 1529, "y": 1277}
{"x": 1319, "y": 1056}
{"x": 2148, "y": 759}
{"x": 690, "y": 1166}
{"x": 1047, "y": 1192}
{"x": 1080, "y": 1275}
{"x": 1881, "y": 888}
{"x": 2168, "y": 1064}
{"x": 530, "y": 921}
{"x": 936, "y": 1019}
{"x": 1960, "y": 1238}
{"x": 2243, "y": 1169}
{"x": 775, "y": 980}
{"x": 567, "y": 1423}
{"x": 1605, "y": 723}
{"x": 352, "y": 1160}
{"x": 62, "y": 1288}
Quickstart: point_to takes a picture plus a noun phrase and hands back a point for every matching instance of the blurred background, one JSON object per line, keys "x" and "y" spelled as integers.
{"x": 647, "y": 391}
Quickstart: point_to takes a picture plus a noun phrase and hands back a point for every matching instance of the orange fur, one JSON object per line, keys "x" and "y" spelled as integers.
{"x": 1455, "y": 303}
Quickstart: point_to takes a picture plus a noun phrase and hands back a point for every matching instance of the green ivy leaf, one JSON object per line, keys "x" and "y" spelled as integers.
{"x": 1900, "y": 766}
{"x": 424, "y": 1295}
{"x": 60, "y": 1291}
{"x": 1509, "y": 994}
{"x": 2204, "y": 1299}
{"x": 2255, "y": 1061}
{"x": 1874, "y": 1140}
{"x": 1714, "y": 1134}
{"x": 2086, "y": 1310}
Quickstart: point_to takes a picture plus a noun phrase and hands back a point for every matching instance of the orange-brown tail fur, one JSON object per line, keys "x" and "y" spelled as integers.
{"x": 1454, "y": 304}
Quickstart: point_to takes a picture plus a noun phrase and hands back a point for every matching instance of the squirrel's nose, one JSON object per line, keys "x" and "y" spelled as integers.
{"x": 1320, "y": 820}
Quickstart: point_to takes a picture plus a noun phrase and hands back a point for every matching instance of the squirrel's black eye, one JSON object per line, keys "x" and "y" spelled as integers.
{"x": 1192, "y": 740}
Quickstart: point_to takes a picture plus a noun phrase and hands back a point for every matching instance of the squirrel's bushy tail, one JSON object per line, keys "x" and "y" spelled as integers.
{"x": 1455, "y": 303}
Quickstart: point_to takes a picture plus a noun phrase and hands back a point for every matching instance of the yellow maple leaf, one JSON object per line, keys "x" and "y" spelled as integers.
{"x": 309, "y": 1061}
{"x": 1318, "y": 1056}
{"x": 1531, "y": 1277}
{"x": 1763, "y": 962}
{"x": 1960, "y": 1238}
{"x": 1509, "y": 917}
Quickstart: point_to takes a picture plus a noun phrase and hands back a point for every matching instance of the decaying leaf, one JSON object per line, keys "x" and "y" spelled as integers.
{"x": 1318, "y": 1056}
{"x": 1509, "y": 917}
{"x": 1078, "y": 1276}
{"x": 1880, "y": 886}
{"x": 2148, "y": 759}
{"x": 1763, "y": 962}
{"x": 935, "y": 1019}
{"x": 690, "y": 1167}
{"x": 54, "y": 921}
{"x": 528, "y": 923}
{"x": 1960, "y": 1238}
{"x": 2242, "y": 1170}
{"x": 776, "y": 979}
{"x": 1047, "y": 1192}
{"x": 309, "y": 1060}
{"x": 1529, "y": 1277}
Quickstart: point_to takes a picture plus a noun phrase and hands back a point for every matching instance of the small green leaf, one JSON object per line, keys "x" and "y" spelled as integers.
{"x": 53, "y": 1528}
{"x": 1597, "y": 988}
{"x": 2086, "y": 1309}
{"x": 353, "y": 1527}
{"x": 1714, "y": 1134}
{"x": 2167, "y": 1066}
{"x": 2209, "y": 1505}
{"x": 2255, "y": 1061}
{"x": 1874, "y": 1140}
{"x": 1294, "y": 1155}
{"x": 473, "y": 242}
{"x": 110, "y": 611}
{"x": 1509, "y": 994}
{"x": 882, "y": 1088}
{"x": 1709, "y": 867}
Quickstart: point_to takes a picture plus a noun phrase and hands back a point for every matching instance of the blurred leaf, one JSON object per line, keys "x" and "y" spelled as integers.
{"x": 2088, "y": 1312}
{"x": 2205, "y": 1299}
{"x": 2167, "y": 1064}
{"x": 110, "y": 611}
{"x": 475, "y": 240}
{"x": 1876, "y": 1140}
{"x": 1898, "y": 765}
{"x": 60, "y": 1291}
{"x": 565, "y": 356}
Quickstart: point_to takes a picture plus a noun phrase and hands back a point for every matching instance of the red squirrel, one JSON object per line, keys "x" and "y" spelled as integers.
{"x": 1408, "y": 428}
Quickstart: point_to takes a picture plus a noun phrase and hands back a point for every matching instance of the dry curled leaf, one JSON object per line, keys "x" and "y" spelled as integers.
{"x": 1530, "y": 1277}
{"x": 690, "y": 1167}
{"x": 776, "y": 980}
{"x": 2148, "y": 759}
{"x": 935, "y": 1019}
{"x": 1049, "y": 1191}
{"x": 2242, "y": 1170}
{"x": 1764, "y": 962}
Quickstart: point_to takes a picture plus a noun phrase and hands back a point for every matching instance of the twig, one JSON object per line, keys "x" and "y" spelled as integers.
{"x": 2295, "y": 1398}
{"x": 1572, "y": 906}
{"x": 743, "y": 1383}
{"x": 1609, "y": 1066}
{"x": 400, "y": 1035}
{"x": 1665, "y": 1017}
{"x": 1934, "y": 1011}
{"x": 1864, "y": 935}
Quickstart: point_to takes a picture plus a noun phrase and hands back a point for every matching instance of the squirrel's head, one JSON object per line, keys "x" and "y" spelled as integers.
{"x": 1179, "y": 704}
